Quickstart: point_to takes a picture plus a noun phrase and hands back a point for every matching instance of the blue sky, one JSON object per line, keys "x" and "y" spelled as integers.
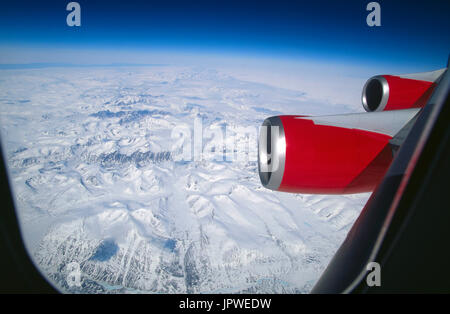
{"x": 412, "y": 34}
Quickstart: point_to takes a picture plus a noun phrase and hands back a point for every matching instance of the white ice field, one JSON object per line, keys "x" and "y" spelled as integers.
{"x": 92, "y": 159}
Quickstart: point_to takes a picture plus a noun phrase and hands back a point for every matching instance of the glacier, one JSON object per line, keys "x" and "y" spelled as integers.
{"x": 91, "y": 163}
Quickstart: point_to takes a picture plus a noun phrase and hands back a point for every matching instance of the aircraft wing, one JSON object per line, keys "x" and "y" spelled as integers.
{"x": 405, "y": 224}
{"x": 399, "y": 150}
{"x": 349, "y": 153}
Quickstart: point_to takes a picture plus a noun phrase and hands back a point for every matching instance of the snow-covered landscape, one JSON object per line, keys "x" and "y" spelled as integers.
{"x": 92, "y": 158}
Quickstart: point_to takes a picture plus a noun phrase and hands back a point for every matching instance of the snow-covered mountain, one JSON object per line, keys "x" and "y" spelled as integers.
{"x": 97, "y": 181}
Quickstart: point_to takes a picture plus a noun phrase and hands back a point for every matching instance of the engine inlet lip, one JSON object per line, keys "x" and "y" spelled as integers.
{"x": 370, "y": 100}
{"x": 272, "y": 179}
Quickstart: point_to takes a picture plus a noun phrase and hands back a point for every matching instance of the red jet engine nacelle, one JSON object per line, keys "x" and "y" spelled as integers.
{"x": 342, "y": 154}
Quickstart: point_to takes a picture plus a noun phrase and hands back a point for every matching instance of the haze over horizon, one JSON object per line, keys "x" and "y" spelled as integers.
{"x": 413, "y": 34}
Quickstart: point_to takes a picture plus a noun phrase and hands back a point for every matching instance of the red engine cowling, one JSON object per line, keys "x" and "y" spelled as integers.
{"x": 389, "y": 92}
{"x": 343, "y": 153}
{"x": 297, "y": 155}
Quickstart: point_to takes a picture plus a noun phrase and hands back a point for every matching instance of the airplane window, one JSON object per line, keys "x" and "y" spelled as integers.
{"x": 136, "y": 138}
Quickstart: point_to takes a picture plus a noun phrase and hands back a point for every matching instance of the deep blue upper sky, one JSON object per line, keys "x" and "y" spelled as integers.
{"x": 412, "y": 32}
